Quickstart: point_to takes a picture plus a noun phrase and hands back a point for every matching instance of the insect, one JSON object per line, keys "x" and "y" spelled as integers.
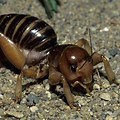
{"x": 30, "y": 44}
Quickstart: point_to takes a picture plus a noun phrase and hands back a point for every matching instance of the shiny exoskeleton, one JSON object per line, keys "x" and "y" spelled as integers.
{"x": 30, "y": 34}
{"x": 30, "y": 45}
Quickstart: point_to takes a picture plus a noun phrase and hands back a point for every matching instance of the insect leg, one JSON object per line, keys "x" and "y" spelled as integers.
{"x": 84, "y": 43}
{"x": 97, "y": 58}
{"x": 35, "y": 71}
{"x": 54, "y": 76}
{"x": 67, "y": 92}
{"x": 18, "y": 88}
{"x": 12, "y": 52}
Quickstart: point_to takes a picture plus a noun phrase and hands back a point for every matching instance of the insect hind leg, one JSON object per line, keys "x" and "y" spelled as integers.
{"x": 84, "y": 43}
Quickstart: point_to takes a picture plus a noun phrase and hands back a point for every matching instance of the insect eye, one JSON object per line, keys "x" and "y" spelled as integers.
{"x": 73, "y": 67}
{"x": 90, "y": 60}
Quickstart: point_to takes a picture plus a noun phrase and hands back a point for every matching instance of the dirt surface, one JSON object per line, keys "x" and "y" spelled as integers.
{"x": 38, "y": 103}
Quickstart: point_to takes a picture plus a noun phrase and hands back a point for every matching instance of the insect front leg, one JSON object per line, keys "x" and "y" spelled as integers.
{"x": 55, "y": 78}
{"x": 67, "y": 92}
{"x": 97, "y": 58}
{"x": 69, "y": 96}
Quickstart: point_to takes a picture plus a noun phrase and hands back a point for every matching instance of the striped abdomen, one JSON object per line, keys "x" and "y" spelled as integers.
{"x": 28, "y": 32}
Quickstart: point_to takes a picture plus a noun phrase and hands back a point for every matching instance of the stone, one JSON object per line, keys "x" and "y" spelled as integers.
{"x": 106, "y": 84}
{"x": 48, "y": 94}
{"x": 96, "y": 87}
{"x": 1, "y": 96}
{"x": 33, "y": 108}
{"x": 109, "y": 117}
{"x": 105, "y": 96}
{"x": 14, "y": 114}
{"x": 32, "y": 99}
{"x": 113, "y": 51}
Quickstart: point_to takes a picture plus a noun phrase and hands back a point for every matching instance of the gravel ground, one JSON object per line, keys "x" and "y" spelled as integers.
{"x": 38, "y": 103}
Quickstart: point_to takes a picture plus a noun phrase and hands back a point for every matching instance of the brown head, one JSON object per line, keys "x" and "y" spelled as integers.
{"x": 76, "y": 66}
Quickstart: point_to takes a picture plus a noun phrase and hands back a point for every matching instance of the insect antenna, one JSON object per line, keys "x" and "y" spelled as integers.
{"x": 89, "y": 33}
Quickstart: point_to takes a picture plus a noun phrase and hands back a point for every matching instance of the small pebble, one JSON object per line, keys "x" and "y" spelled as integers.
{"x": 105, "y": 96}
{"x": 116, "y": 113}
{"x": 91, "y": 113}
{"x": 59, "y": 88}
{"x": 105, "y": 29}
{"x": 118, "y": 81}
{"x": 33, "y": 108}
{"x": 113, "y": 51}
{"x": 106, "y": 84}
{"x": 32, "y": 99}
{"x": 47, "y": 86}
{"x": 3, "y": 2}
{"x": 82, "y": 102}
{"x": 109, "y": 118}
{"x": 14, "y": 114}
{"x": 1, "y": 112}
{"x": 1, "y": 96}
{"x": 96, "y": 87}
{"x": 48, "y": 94}
{"x": 45, "y": 82}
